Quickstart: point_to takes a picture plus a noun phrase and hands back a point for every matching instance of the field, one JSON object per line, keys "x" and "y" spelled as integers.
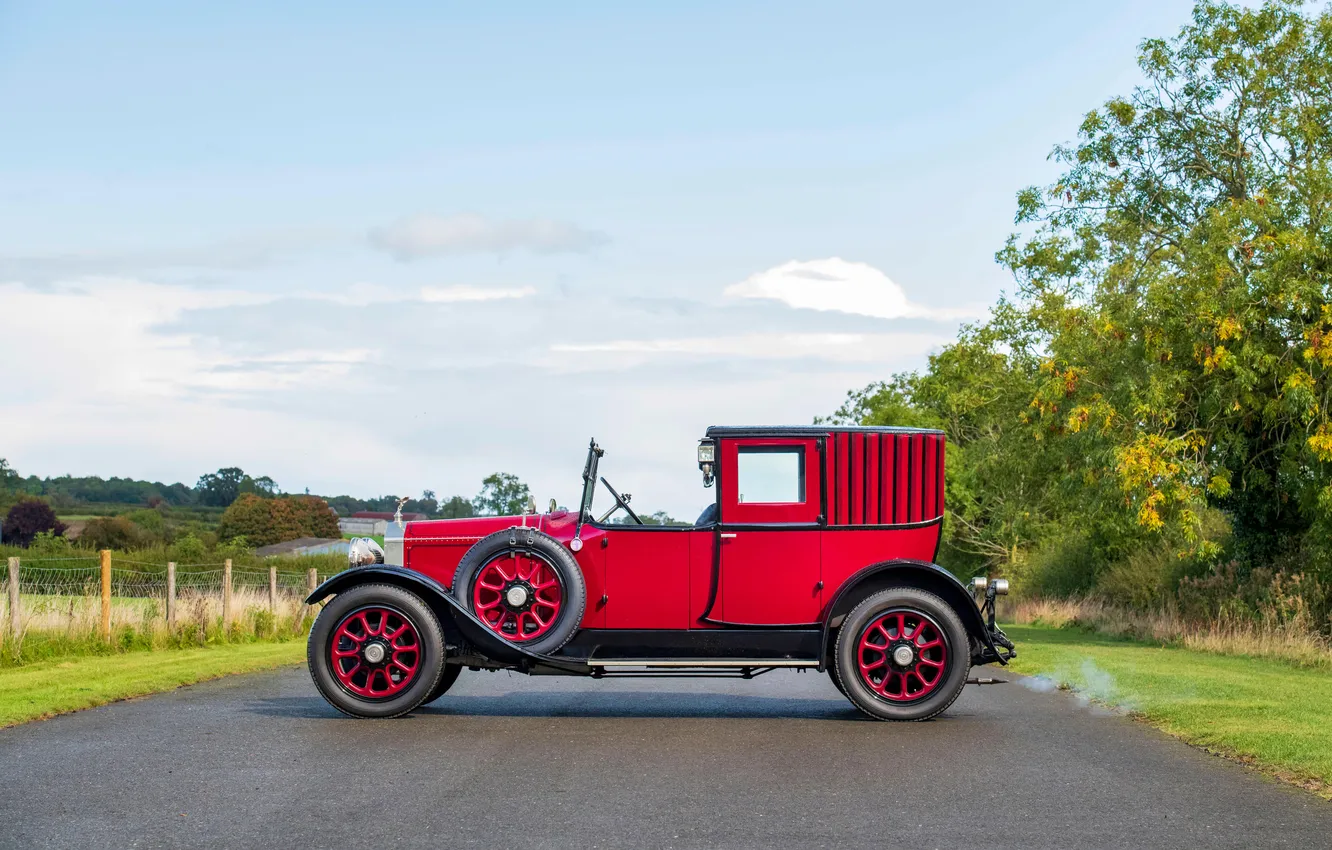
{"x": 1271, "y": 715}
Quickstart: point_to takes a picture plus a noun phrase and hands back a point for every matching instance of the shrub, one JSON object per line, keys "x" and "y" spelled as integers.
{"x": 28, "y": 518}
{"x": 149, "y": 520}
{"x": 1141, "y": 580}
{"x": 266, "y": 521}
{"x": 114, "y": 532}
{"x": 189, "y": 550}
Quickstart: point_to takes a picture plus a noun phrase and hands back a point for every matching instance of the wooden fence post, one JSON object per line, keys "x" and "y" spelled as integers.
{"x": 226, "y": 594}
{"x": 311, "y": 582}
{"x": 272, "y": 590}
{"x": 14, "y": 611}
{"x": 106, "y": 594}
{"x": 171, "y": 595}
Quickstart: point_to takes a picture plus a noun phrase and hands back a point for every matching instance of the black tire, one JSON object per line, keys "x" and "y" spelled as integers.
{"x": 401, "y": 603}
{"x": 537, "y": 544}
{"x": 938, "y": 695}
{"x": 446, "y": 680}
{"x": 833, "y": 675}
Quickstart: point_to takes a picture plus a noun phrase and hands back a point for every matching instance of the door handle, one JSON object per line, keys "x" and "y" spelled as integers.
{"x": 725, "y": 535}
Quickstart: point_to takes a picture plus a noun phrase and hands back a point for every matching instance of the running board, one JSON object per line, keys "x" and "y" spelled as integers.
{"x": 698, "y": 663}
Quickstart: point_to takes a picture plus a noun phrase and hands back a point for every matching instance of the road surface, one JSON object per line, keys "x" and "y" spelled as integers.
{"x": 506, "y": 761}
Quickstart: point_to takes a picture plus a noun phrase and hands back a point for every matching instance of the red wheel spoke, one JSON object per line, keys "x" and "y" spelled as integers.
{"x": 375, "y": 625}
{"x": 929, "y": 655}
{"x": 537, "y": 584}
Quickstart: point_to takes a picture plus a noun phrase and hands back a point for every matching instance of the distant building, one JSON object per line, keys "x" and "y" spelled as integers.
{"x": 303, "y": 546}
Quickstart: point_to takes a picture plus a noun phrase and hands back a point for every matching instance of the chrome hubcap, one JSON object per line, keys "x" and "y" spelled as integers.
{"x": 903, "y": 656}
{"x": 375, "y": 652}
{"x": 516, "y": 596}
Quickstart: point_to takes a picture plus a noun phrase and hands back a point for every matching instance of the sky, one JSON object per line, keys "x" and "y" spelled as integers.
{"x": 382, "y": 248}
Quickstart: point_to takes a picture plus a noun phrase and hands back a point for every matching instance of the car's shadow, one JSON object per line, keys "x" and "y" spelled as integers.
{"x": 668, "y": 704}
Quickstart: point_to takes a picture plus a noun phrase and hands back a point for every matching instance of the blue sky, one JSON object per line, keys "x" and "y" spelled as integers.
{"x": 378, "y": 248}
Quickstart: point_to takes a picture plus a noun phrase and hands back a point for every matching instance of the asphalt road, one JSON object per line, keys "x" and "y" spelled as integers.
{"x": 505, "y": 761}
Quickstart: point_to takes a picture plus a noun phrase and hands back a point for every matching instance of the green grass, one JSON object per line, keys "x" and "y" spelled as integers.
{"x": 45, "y": 689}
{"x": 1267, "y": 714}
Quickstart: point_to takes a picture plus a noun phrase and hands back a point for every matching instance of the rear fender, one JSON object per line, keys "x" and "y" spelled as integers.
{"x": 481, "y": 637}
{"x": 924, "y": 575}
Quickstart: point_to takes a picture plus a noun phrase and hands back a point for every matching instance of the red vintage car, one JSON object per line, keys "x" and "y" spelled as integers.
{"x": 816, "y": 553}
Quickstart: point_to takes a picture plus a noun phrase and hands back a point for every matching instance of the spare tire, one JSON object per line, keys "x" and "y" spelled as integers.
{"x": 525, "y": 586}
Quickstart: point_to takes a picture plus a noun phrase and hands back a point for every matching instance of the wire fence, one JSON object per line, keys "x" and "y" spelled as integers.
{"x": 97, "y": 594}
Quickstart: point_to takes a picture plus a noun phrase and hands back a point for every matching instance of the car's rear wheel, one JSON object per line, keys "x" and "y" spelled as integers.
{"x": 525, "y": 586}
{"x": 376, "y": 651}
{"x": 902, "y": 654}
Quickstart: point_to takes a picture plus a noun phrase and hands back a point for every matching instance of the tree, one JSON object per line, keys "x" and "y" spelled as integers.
{"x": 28, "y": 518}
{"x": 263, "y": 522}
{"x": 1177, "y": 285}
{"x": 457, "y": 507}
{"x": 221, "y": 488}
{"x": 9, "y": 479}
{"x": 501, "y": 494}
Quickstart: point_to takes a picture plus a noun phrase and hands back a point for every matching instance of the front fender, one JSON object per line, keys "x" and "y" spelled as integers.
{"x": 437, "y": 596}
{"x": 927, "y": 576}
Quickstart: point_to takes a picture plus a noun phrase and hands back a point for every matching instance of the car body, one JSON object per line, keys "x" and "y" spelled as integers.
{"x": 811, "y": 528}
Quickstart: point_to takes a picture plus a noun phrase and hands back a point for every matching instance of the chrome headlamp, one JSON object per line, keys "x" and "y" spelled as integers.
{"x": 364, "y": 550}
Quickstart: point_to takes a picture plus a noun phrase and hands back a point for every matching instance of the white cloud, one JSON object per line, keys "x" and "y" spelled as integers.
{"x": 443, "y": 294}
{"x": 835, "y": 347}
{"x": 468, "y": 233}
{"x": 838, "y": 285}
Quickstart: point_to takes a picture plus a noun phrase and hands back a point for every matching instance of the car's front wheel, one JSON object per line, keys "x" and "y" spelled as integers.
{"x": 902, "y": 654}
{"x": 376, "y": 651}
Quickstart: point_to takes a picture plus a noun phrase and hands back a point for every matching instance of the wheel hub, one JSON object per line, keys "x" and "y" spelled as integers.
{"x": 517, "y": 596}
{"x": 904, "y": 655}
{"x": 375, "y": 652}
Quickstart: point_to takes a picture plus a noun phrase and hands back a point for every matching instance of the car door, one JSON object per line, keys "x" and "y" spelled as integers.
{"x": 769, "y": 555}
{"x": 647, "y": 577}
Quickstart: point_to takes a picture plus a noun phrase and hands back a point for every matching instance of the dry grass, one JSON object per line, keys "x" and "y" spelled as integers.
{"x": 52, "y": 625}
{"x": 1267, "y": 636}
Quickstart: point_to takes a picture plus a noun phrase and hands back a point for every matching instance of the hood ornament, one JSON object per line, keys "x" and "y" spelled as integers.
{"x": 397, "y": 515}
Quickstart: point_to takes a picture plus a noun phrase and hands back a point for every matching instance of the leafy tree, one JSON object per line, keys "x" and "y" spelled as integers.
{"x": 263, "y": 522}
{"x": 501, "y": 494}
{"x": 1176, "y": 287}
{"x": 221, "y": 488}
{"x": 457, "y": 507}
{"x": 9, "y": 479}
{"x": 1168, "y": 352}
{"x": 28, "y": 518}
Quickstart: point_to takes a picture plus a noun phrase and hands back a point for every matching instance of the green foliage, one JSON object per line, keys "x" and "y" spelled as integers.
{"x": 501, "y": 494}
{"x": 188, "y": 550}
{"x": 115, "y": 532}
{"x": 264, "y": 521}
{"x": 1168, "y": 351}
{"x": 456, "y": 507}
{"x": 223, "y": 487}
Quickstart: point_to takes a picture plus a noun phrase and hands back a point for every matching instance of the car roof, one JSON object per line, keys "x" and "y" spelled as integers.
{"x": 809, "y": 430}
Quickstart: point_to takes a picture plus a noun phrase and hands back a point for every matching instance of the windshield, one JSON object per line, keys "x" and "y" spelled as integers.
{"x": 594, "y": 453}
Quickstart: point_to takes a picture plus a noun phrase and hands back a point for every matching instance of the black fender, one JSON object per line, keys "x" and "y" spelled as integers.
{"x": 926, "y": 576}
{"x": 478, "y": 634}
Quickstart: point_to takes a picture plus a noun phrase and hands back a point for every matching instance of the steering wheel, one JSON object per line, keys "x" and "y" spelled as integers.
{"x": 620, "y": 502}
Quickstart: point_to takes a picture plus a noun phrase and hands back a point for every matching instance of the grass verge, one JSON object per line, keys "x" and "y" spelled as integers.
{"x": 45, "y": 689}
{"x": 1269, "y": 715}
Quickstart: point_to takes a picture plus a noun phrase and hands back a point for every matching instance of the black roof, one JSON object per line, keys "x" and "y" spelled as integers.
{"x": 809, "y": 430}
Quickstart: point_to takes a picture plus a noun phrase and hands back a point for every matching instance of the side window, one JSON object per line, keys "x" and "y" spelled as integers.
{"x": 770, "y": 480}
{"x": 771, "y": 475}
